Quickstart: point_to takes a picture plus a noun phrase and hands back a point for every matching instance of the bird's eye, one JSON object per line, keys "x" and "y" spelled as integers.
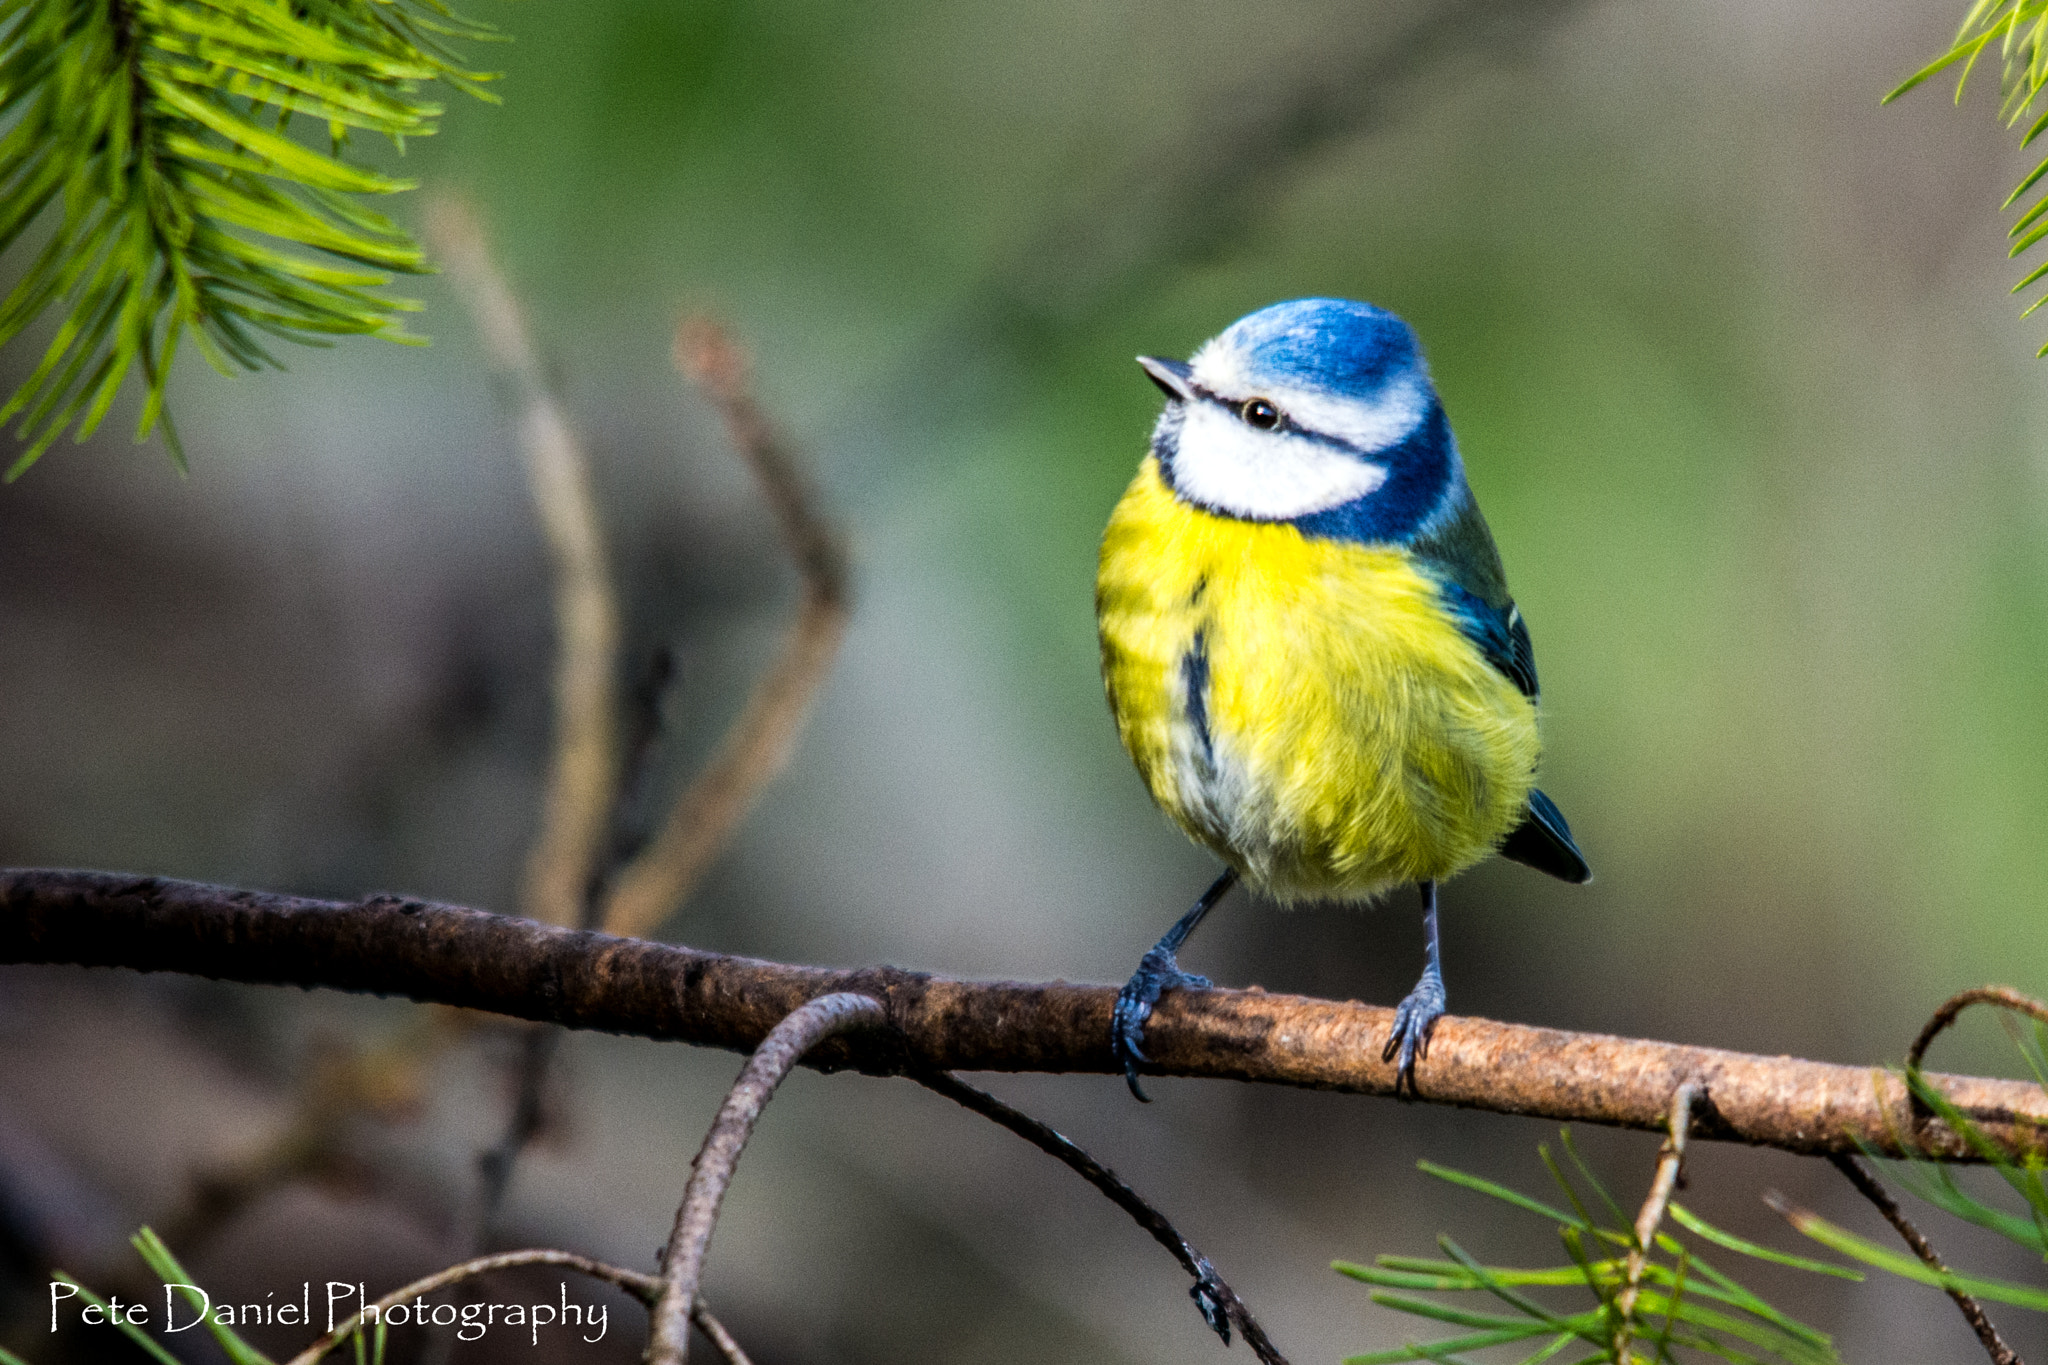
{"x": 1259, "y": 413}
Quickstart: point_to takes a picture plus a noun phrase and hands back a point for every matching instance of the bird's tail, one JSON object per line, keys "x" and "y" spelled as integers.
{"x": 1544, "y": 841}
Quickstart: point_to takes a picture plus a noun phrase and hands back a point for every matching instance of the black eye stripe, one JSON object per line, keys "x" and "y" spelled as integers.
{"x": 1242, "y": 410}
{"x": 1285, "y": 426}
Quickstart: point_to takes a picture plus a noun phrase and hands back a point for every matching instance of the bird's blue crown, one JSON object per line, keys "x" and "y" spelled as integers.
{"x": 1337, "y": 346}
{"x": 1316, "y": 412}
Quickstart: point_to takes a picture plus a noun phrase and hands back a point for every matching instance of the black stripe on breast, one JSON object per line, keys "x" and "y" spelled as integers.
{"x": 1194, "y": 681}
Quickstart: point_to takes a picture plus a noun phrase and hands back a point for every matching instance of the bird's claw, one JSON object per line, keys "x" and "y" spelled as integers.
{"x": 1157, "y": 973}
{"x": 1414, "y": 1020}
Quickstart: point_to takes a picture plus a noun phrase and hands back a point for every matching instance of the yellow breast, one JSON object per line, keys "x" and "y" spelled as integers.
{"x": 1303, "y": 707}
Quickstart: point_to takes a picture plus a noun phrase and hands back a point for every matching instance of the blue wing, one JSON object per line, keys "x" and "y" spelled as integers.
{"x": 1543, "y": 840}
{"x": 1499, "y": 633}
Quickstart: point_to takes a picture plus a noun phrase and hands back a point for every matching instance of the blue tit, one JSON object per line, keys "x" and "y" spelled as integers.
{"x": 1308, "y": 642}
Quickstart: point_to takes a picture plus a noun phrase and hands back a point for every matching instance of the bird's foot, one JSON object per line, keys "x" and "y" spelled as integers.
{"x": 1414, "y": 1020}
{"x": 1157, "y": 973}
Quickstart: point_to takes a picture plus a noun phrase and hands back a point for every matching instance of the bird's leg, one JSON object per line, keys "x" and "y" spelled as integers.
{"x": 1158, "y": 972}
{"x": 1417, "y": 1015}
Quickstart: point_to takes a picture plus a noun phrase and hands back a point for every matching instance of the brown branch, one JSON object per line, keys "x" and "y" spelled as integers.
{"x": 583, "y": 772}
{"x": 761, "y": 740}
{"x": 1973, "y": 1312}
{"x": 682, "y": 1265}
{"x": 646, "y": 1288}
{"x": 394, "y": 946}
{"x": 1220, "y": 1306}
{"x": 1670, "y": 1168}
{"x": 1952, "y": 1007}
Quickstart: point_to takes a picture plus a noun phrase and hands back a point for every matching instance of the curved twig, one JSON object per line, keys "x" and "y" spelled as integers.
{"x": 758, "y": 746}
{"x": 646, "y": 1288}
{"x": 683, "y": 1264}
{"x": 2003, "y": 996}
{"x": 1973, "y": 1312}
{"x": 445, "y": 954}
{"x": 1220, "y": 1306}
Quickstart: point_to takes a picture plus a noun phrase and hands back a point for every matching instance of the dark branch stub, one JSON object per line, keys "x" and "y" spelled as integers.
{"x": 529, "y": 1116}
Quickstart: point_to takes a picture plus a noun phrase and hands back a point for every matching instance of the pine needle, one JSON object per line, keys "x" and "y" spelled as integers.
{"x": 2018, "y": 30}
{"x": 190, "y": 163}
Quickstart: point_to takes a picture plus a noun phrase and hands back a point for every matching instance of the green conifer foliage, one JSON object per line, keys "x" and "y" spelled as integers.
{"x": 2017, "y": 31}
{"x": 165, "y": 143}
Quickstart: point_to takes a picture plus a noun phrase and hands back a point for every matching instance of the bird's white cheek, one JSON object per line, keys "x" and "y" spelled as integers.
{"x": 1264, "y": 476}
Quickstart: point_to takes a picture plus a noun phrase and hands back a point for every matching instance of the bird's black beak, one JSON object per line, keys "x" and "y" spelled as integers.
{"x": 1173, "y": 378}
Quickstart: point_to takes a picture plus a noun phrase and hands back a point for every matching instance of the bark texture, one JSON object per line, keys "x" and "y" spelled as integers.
{"x": 445, "y": 954}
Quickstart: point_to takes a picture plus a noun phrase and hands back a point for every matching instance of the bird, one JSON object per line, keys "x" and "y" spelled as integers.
{"x": 1308, "y": 644}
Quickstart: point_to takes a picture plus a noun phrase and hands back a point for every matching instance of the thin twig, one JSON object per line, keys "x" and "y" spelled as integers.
{"x": 646, "y": 1288}
{"x": 708, "y": 355}
{"x": 537, "y": 1044}
{"x": 448, "y": 955}
{"x": 567, "y": 855}
{"x": 631, "y": 822}
{"x": 714, "y": 1331}
{"x": 761, "y": 740}
{"x": 682, "y": 1264}
{"x": 1973, "y": 1312}
{"x": 1670, "y": 1171}
{"x": 565, "y": 859}
{"x": 2004, "y": 996}
{"x": 1218, "y": 1302}
{"x": 495, "y": 1164}
{"x": 583, "y": 770}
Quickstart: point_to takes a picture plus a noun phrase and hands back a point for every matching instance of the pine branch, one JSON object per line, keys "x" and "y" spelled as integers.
{"x": 164, "y": 136}
{"x": 2017, "y": 30}
{"x": 394, "y": 946}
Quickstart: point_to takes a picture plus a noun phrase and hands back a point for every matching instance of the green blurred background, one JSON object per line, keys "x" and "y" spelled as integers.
{"x": 1731, "y": 360}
